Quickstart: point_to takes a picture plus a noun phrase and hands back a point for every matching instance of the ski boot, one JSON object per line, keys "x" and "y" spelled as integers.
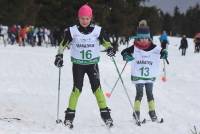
{"x": 153, "y": 116}
{"x": 136, "y": 116}
{"x": 69, "y": 117}
{"x": 105, "y": 115}
{"x": 136, "y": 113}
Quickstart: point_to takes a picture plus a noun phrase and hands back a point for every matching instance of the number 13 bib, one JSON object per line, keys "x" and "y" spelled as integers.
{"x": 145, "y": 66}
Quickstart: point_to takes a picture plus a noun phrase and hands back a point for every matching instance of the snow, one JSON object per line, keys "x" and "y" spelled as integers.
{"x": 29, "y": 86}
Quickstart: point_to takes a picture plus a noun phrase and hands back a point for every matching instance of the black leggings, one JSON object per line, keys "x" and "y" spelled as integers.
{"x": 164, "y": 44}
{"x": 139, "y": 91}
{"x": 79, "y": 73}
{"x": 183, "y": 51}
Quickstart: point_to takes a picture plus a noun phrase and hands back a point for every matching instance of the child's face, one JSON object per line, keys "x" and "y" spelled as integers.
{"x": 84, "y": 20}
{"x": 142, "y": 43}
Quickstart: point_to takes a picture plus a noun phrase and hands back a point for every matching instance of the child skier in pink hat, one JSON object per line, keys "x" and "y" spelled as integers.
{"x": 84, "y": 40}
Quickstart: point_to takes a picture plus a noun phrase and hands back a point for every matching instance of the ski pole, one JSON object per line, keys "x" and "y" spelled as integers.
{"x": 137, "y": 120}
{"x": 122, "y": 82}
{"x": 4, "y": 41}
{"x": 164, "y": 78}
{"x": 108, "y": 94}
{"x": 58, "y": 102}
{"x": 167, "y": 61}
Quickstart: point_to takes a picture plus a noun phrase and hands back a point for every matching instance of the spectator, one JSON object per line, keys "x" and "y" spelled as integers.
{"x": 183, "y": 45}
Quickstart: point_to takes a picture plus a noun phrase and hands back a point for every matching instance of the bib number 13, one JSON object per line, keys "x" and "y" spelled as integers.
{"x": 144, "y": 71}
{"x": 86, "y": 54}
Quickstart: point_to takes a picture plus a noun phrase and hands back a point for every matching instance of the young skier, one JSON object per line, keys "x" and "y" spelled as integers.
{"x": 145, "y": 57}
{"x": 164, "y": 40}
{"x": 84, "y": 40}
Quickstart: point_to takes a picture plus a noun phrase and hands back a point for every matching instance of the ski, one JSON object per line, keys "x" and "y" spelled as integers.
{"x": 69, "y": 124}
{"x": 137, "y": 122}
{"x": 161, "y": 120}
{"x": 10, "y": 119}
{"x": 109, "y": 123}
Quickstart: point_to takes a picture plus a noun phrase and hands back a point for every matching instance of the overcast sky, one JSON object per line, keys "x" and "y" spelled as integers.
{"x": 168, "y": 5}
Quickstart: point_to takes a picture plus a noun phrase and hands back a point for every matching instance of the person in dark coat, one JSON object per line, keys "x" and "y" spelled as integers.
{"x": 183, "y": 45}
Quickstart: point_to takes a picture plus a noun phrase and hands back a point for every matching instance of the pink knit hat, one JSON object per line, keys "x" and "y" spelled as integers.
{"x": 85, "y": 10}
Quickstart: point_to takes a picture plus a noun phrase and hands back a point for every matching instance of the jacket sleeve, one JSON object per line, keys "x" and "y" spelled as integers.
{"x": 65, "y": 41}
{"x": 104, "y": 39}
{"x": 186, "y": 44}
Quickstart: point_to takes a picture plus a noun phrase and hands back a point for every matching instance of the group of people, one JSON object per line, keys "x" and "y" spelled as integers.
{"x": 29, "y": 35}
{"x": 84, "y": 40}
{"x": 183, "y": 43}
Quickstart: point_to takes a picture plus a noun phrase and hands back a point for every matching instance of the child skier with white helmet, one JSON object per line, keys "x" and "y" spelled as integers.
{"x": 145, "y": 57}
{"x": 84, "y": 40}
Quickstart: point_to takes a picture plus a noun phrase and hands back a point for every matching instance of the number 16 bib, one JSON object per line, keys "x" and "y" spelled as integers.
{"x": 85, "y": 49}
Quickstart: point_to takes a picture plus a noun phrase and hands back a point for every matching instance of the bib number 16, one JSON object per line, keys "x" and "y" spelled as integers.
{"x": 86, "y": 54}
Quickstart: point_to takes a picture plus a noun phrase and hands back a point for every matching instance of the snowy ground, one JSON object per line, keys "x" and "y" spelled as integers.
{"x": 28, "y": 90}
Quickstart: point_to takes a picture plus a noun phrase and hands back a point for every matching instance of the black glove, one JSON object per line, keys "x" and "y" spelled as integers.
{"x": 127, "y": 57}
{"x": 111, "y": 52}
{"x": 59, "y": 60}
